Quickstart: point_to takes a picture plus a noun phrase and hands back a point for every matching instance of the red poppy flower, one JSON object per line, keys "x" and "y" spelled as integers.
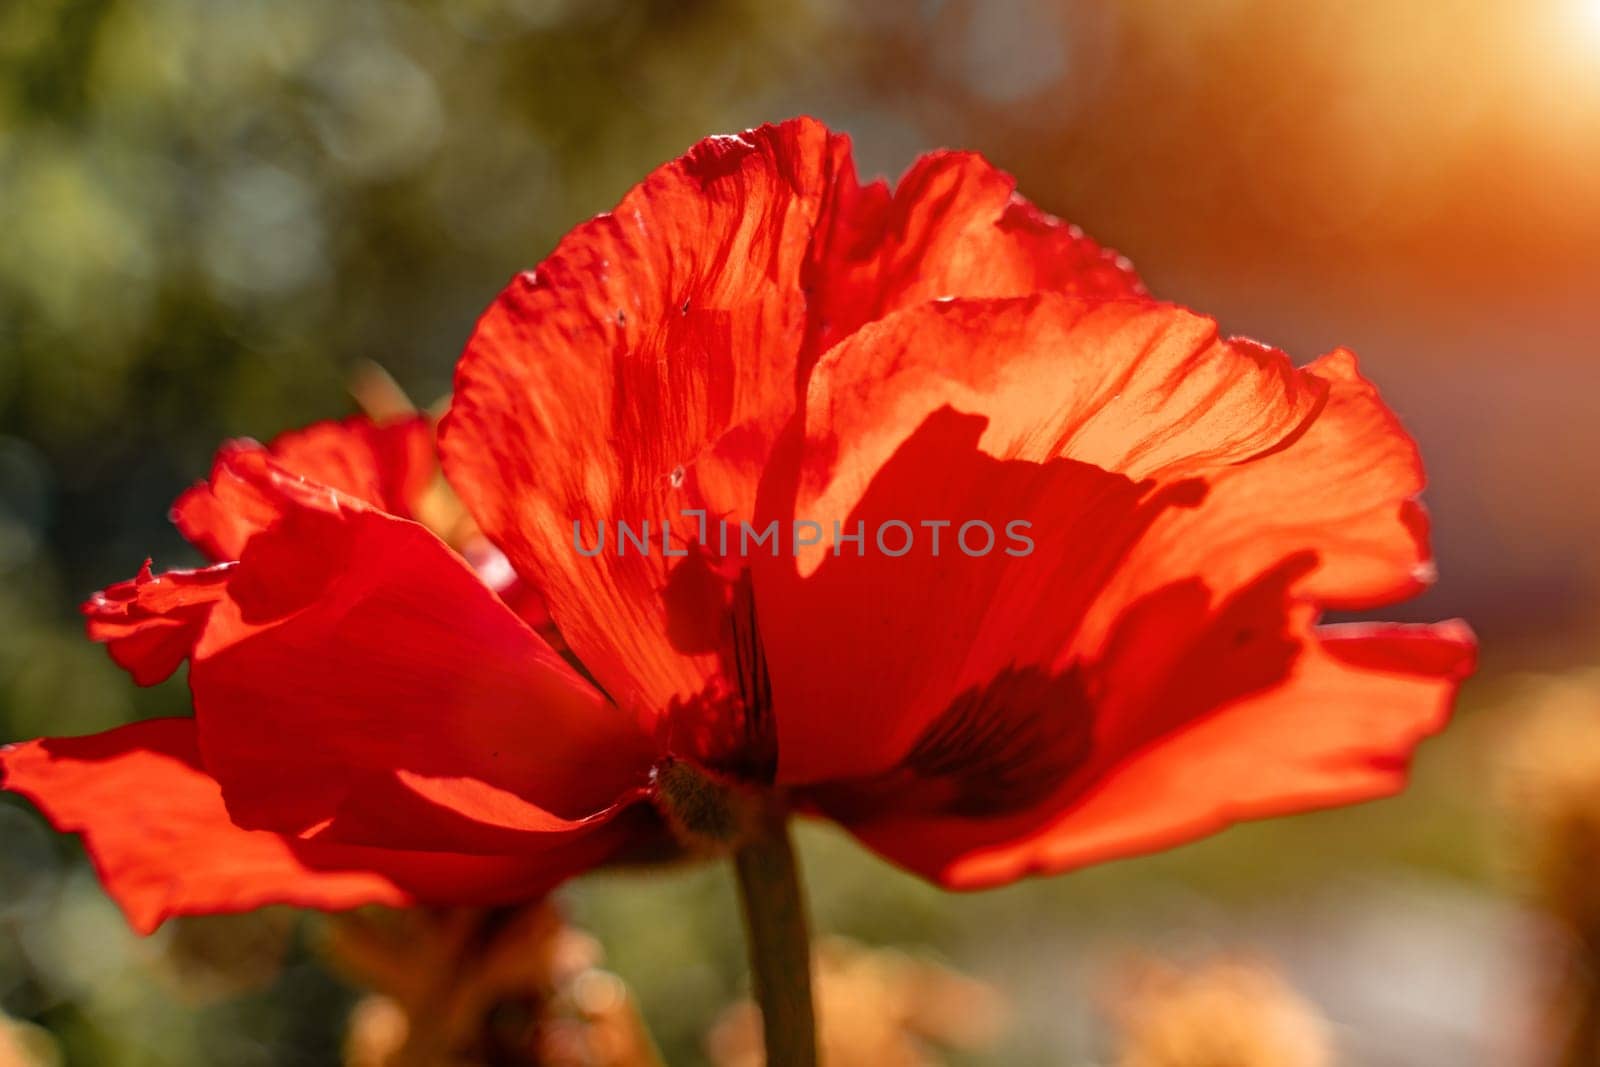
{"x": 754, "y": 338}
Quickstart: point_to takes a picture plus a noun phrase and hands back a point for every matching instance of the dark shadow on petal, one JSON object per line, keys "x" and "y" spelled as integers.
{"x": 728, "y": 726}
{"x": 871, "y": 647}
{"x": 1038, "y": 744}
{"x": 998, "y": 748}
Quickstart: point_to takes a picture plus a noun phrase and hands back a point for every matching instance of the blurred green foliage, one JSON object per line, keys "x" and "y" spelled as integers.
{"x": 212, "y": 209}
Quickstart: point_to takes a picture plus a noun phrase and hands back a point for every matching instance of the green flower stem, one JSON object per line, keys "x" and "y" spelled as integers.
{"x": 779, "y": 941}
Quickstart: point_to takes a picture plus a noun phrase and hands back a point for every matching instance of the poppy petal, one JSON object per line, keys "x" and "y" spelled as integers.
{"x": 1086, "y": 420}
{"x": 351, "y": 647}
{"x": 155, "y": 825}
{"x": 1345, "y": 490}
{"x": 150, "y": 623}
{"x": 388, "y": 465}
{"x": 591, "y": 386}
{"x": 1339, "y": 730}
{"x": 1143, "y": 389}
{"x": 955, "y": 226}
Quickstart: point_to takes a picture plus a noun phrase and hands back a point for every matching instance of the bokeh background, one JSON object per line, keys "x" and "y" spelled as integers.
{"x": 212, "y": 212}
